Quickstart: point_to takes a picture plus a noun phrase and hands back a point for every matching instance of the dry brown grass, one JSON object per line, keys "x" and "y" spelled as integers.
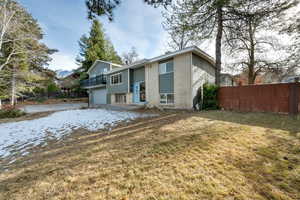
{"x": 209, "y": 155}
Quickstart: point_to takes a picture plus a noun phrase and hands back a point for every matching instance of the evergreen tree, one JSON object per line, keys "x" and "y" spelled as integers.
{"x": 94, "y": 47}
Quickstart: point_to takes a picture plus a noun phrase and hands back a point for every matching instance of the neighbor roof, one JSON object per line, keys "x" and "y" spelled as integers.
{"x": 193, "y": 49}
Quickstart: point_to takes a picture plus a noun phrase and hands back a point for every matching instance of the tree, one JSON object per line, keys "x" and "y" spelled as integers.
{"x": 181, "y": 35}
{"x": 95, "y": 46}
{"x": 131, "y": 56}
{"x": 291, "y": 26}
{"x": 249, "y": 37}
{"x": 21, "y": 50}
{"x": 111, "y": 54}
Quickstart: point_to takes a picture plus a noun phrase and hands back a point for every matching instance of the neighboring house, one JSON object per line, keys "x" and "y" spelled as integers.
{"x": 170, "y": 80}
{"x": 242, "y": 79}
{"x": 226, "y": 80}
{"x": 291, "y": 79}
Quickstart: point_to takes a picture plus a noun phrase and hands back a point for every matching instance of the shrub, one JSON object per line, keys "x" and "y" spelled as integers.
{"x": 11, "y": 112}
{"x": 210, "y": 97}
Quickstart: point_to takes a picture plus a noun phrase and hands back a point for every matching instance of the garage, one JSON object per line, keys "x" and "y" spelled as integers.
{"x": 98, "y": 96}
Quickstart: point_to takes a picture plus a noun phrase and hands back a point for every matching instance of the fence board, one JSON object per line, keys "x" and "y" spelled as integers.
{"x": 276, "y": 98}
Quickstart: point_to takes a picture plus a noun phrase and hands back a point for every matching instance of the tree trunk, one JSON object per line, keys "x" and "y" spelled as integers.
{"x": 219, "y": 44}
{"x": 251, "y": 76}
{"x": 251, "y": 66}
{"x": 13, "y": 86}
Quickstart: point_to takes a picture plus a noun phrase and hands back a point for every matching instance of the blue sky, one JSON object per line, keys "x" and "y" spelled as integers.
{"x": 64, "y": 21}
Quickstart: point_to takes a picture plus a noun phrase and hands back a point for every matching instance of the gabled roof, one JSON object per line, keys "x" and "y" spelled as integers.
{"x": 192, "y": 49}
{"x": 97, "y": 61}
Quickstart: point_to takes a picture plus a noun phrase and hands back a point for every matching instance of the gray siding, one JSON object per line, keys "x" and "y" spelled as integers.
{"x": 137, "y": 75}
{"x": 166, "y": 83}
{"x": 120, "y": 88}
{"x": 99, "y": 68}
{"x": 203, "y": 64}
{"x": 108, "y": 98}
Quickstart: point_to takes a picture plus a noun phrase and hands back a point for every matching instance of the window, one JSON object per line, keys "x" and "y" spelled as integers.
{"x": 166, "y": 98}
{"x": 166, "y": 67}
{"x": 120, "y": 98}
{"x": 116, "y": 79}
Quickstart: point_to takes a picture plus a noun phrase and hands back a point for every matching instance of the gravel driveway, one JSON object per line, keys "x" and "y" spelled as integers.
{"x": 52, "y": 107}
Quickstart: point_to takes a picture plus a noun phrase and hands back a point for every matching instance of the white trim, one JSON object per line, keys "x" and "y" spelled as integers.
{"x": 128, "y": 85}
{"x": 110, "y": 79}
{"x": 165, "y": 65}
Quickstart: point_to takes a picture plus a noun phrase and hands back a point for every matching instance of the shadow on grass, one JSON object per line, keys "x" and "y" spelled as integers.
{"x": 275, "y": 172}
{"x": 265, "y": 120}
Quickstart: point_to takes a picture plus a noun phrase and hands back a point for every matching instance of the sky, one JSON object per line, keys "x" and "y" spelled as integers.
{"x": 64, "y": 21}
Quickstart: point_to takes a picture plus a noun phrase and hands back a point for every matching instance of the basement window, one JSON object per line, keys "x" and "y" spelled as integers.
{"x": 166, "y": 98}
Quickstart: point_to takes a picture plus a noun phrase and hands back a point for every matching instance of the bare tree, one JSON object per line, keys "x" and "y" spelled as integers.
{"x": 180, "y": 35}
{"x": 247, "y": 37}
{"x": 130, "y": 57}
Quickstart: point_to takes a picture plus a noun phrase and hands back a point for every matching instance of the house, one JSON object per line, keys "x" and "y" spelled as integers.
{"x": 226, "y": 80}
{"x": 170, "y": 80}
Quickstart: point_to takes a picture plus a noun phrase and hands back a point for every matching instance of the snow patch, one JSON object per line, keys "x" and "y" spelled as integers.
{"x": 18, "y": 137}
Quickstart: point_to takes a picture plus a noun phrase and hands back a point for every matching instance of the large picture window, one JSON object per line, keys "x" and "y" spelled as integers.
{"x": 166, "y": 67}
{"x": 166, "y": 98}
{"x": 116, "y": 79}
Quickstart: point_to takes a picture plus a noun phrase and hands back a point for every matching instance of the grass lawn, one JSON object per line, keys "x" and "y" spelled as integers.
{"x": 208, "y": 155}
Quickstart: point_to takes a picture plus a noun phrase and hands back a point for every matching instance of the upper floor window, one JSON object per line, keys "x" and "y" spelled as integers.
{"x": 116, "y": 79}
{"x": 166, "y": 67}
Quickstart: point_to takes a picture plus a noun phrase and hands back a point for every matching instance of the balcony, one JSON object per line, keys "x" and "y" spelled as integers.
{"x": 98, "y": 80}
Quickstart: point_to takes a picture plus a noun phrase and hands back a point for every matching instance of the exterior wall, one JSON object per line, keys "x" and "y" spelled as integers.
{"x": 91, "y": 97}
{"x": 138, "y": 74}
{"x": 99, "y": 69}
{"x": 119, "y": 88}
{"x": 166, "y": 83}
{"x": 108, "y": 98}
{"x": 152, "y": 83}
{"x": 182, "y": 81}
{"x": 202, "y": 72}
{"x": 129, "y": 98}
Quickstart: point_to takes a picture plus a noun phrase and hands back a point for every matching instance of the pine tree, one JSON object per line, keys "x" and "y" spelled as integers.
{"x": 96, "y": 46}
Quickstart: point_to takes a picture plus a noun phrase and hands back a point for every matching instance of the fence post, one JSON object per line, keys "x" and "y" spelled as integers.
{"x": 294, "y": 98}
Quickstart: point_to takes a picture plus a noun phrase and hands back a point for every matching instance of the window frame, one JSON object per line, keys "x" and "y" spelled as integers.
{"x": 166, "y": 101}
{"x": 165, "y": 67}
{"x": 113, "y": 76}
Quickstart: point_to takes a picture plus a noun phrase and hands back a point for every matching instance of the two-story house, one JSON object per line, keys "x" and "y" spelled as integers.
{"x": 170, "y": 80}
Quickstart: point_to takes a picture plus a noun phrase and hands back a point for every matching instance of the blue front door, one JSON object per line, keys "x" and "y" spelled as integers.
{"x": 136, "y": 92}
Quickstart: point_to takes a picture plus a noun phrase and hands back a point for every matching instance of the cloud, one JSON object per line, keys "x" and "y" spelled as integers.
{"x": 62, "y": 61}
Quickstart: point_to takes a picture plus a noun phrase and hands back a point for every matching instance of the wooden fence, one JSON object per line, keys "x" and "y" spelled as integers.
{"x": 277, "y": 98}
